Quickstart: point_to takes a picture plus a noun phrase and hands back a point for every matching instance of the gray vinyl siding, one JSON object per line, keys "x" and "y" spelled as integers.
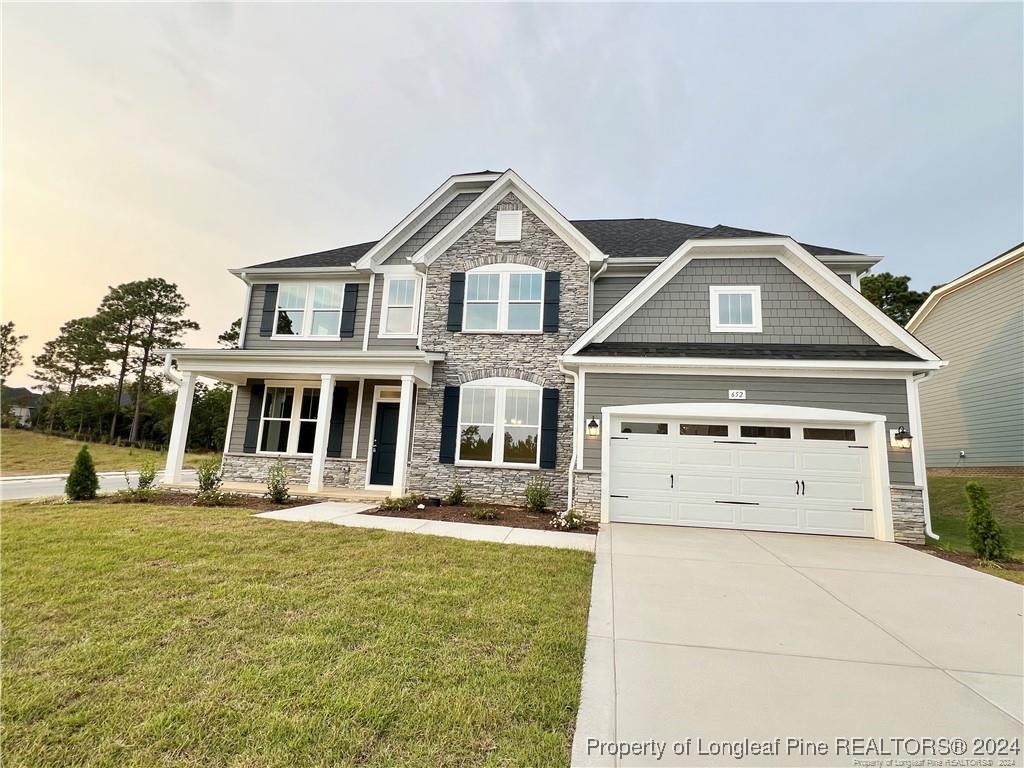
{"x": 241, "y": 414}
{"x": 791, "y": 311}
{"x": 375, "y": 316}
{"x": 608, "y": 291}
{"x": 426, "y": 233}
{"x": 976, "y": 404}
{"x": 887, "y": 397}
{"x": 253, "y": 340}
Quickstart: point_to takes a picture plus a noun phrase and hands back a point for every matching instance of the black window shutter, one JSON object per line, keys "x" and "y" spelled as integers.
{"x": 552, "y": 281}
{"x": 456, "y": 296}
{"x": 449, "y": 425}
{"x": 269, "y": 309}
{"x": 252, "y": 421}
{"x": 548, "y": 428}
{"x": 337, "y": 420}
{"x": 348, "y": 311}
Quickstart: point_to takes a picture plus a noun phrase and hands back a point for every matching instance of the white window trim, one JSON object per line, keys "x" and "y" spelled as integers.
{"x": 293, "y": 419}
{"x": 307, "y": 312}
{"x": 385, "y": 307}
{"x": 504, "y": 270}
{"x": 517, "y": 226}
{"x": 724, "y": 290}
{"x": 500, "y": 387}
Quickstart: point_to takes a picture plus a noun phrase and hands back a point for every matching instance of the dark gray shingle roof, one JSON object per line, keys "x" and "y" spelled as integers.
{"x": 336, "y": 257}
{"x": 750, "y": 351}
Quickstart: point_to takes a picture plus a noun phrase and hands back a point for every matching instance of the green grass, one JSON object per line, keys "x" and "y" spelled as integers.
{"x": 34, "y": 453}
{"x": 139, "y": 635}
{"x": 949, "y": 510}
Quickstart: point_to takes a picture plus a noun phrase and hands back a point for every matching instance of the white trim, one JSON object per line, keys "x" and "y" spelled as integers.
{"x": 504, "y": 272}
{"x": 325, "y": 405}
{"x": 760, "y": 367}
{"x": 733, "y": 411}
{"x": 717, "y": 291}
{"x": 385, "y": 306}
{"x": 307, "y": 311}
{"x": 404, "y": 437}
{"x": 916, "y": 427}
{"x": 294, "y": 419}
{"x": 179, "y": 427}
{"x": 500, "y": 387}
{"x": 508, "y": 227}
{"x": 377, "y": 398}
{"x": 359, "y": 416}
{"x": 244, "y": 325}
{"x": 509, "y": 182}
{"x": 422, "y": 308}
{"x": 1010, "y": 257}
{"x": 823, "y": 280}
{"x": 369, "y": 313}
{"x": 231, "y": 419}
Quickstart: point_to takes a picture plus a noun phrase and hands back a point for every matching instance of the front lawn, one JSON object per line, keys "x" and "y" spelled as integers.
{"x": 144, "y": 635}
{"x": 33, "y": 453}
{"x": 949, "y": 515}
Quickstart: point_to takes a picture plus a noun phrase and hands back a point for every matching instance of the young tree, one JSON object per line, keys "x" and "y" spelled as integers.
{"x": 75, "y": 356}
{"x": 160, "y": 323}
{"x": 10, "y": 355}
{"x": 892, "y": 295}
{"x": 82, "y": 482}
{"x": 229, "y": 339}
{"x": 986, "y": 535}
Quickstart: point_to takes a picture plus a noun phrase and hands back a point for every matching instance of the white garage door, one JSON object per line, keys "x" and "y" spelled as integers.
{"x": 803, "y": 477}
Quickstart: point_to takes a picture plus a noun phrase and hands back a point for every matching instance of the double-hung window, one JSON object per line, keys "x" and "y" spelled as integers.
{"x": 504, "y": 298}
{"x": 312, "y": 310}
{"x": 736, "y": 308}
{"x": 499, "y": 423}
{"x": 288, "y": 423}
{"x": 399, "y": 310}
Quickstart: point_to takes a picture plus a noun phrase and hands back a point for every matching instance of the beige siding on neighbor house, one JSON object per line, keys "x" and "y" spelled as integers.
{"x": 976, "y": 404}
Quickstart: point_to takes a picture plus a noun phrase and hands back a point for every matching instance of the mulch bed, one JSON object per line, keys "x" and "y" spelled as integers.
{"x": 515, "y": 517}
{"x": 968, "y": 559}
{"x": 188, "y": 499}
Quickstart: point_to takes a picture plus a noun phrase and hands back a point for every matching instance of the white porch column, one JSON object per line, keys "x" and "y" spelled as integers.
{"x": 404, "y": 434}
{"x": 179, "y": 428}
{"x": 323, "y": 431}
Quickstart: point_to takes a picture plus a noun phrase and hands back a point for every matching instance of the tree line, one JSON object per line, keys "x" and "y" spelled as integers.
{"x": 98, "y": 373}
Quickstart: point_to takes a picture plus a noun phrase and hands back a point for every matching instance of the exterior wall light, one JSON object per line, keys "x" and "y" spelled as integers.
{"x": 593, "y": 427}
{"x": 900, "y": 438}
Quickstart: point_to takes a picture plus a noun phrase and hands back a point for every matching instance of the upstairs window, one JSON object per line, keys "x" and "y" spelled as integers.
{"x": 504, "y": 298}
{"x": 399, "y": 310}
{"x": 509, "y": 227}
{"x": 736, "y": 309}
{"x": 309, "y": 309}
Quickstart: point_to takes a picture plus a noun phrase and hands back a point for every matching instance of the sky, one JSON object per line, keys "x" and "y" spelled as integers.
{"x": 182, "y": 140}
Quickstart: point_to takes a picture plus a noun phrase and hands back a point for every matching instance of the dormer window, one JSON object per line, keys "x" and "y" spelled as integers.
{"x": 736, "y": 308}
{"x": 509, "y": 228}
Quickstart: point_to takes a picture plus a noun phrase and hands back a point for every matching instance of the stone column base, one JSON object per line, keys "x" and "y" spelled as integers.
{"x": 908, "y": 513}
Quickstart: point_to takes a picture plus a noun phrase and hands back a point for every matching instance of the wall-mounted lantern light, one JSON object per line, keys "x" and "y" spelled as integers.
{"x": 900, "y": 438}
{"x": 593, "y": 427}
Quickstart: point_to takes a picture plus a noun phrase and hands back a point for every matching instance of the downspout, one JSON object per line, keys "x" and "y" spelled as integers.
{"x": 169, "y": 373}
{"x": 575, "y": 418}
{"x": 924, "y": 469}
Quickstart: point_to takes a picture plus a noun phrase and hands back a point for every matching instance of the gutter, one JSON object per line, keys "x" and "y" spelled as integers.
{"x": 169, "y": 373}
{"x": 575, "y": 418}
{"x": 926, "y": 503}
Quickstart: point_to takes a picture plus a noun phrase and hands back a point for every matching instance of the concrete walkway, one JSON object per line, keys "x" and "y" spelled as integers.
{"x": 726, "y": 635}
{"x": 350, "y": 514}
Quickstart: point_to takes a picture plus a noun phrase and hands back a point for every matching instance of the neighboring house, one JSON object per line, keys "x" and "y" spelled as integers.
{"x": 650, "y": 371}
{"x": 21, "y": 403}
{"x": 973, "y": 411}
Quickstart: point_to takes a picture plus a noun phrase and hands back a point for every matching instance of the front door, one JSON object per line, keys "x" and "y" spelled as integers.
{"x": 385, "y": 442}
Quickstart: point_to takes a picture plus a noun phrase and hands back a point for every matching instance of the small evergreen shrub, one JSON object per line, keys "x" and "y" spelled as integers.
{"x": 538, "y": 494}
{"x": 457, "y": 497}
{"x": 277, "y": 483}
{"x": 395, "y": 503}
{"x": 985, "y": 534}
{"x": 147, "y": 476}
{"x": 209, "y": 475}
{"x": 570, "y": 520}
{"x": 82, "y": 482}
{"x": 483, "y": 513}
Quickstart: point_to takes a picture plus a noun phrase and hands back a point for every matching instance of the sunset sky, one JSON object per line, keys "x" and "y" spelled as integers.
{"x": 181, "y": 140}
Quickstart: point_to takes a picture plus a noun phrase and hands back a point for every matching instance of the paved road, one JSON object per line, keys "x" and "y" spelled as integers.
{"x": 53, "y": 485}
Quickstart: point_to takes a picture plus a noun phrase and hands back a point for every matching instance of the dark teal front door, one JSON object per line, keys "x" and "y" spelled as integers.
{"x": 385, "y": 443}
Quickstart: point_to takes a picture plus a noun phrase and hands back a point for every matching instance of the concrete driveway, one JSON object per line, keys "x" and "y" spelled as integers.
{"x": 726, "y": 636}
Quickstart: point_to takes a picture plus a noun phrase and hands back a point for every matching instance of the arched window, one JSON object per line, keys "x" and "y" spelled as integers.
{"x": 504, "y": 298}
{"x": 499, "y": 423}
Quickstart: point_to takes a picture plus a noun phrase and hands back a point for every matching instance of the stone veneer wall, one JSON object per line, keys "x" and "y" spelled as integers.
{"x": 251, "y": 468}
{"x": 587, "y": 493}
{"x": 908, "y": 513}
{"x": 475, "y": 356}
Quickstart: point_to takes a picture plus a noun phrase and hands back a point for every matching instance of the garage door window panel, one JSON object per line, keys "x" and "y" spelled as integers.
{"x": 818, "y": 433}
{"x": 704, "y": 430}
{"x": 767, "y": 432}
{"x": 643, "y": 428}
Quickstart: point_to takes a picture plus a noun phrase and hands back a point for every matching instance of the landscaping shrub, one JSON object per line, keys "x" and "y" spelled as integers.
{"x": 570, "y": 520}
{"x": 483, "y": 513}
{"x": 985, "y": 534}
{"x": 457, "y": 497}
{"x": 538, "y": 494}
{"x": 209, "y": 475}
{"x": 82, "y": 482}
{"x": 147, "y": 476}
{"x": 394, "y": 503}
{"x": 277, "y": 482}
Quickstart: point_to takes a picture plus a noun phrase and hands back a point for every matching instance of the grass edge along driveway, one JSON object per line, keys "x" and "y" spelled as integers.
{"x": 141, "y": 635}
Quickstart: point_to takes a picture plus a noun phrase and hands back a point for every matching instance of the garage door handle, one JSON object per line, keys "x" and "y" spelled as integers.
{"x": 803, "y": 488}
{"x": 617, "y": 496}
{"x": 797, "y": 487}
{"x": 672, "y": 481}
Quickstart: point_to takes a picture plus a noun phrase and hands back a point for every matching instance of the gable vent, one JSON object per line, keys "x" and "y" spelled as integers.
{"x": 510, "y": 227}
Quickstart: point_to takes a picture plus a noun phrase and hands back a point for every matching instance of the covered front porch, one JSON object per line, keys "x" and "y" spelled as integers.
{"x": 358, "y": 437}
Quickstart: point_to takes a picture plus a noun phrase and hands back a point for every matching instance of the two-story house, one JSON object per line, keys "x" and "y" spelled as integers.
{"x": 650, "y": 371}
